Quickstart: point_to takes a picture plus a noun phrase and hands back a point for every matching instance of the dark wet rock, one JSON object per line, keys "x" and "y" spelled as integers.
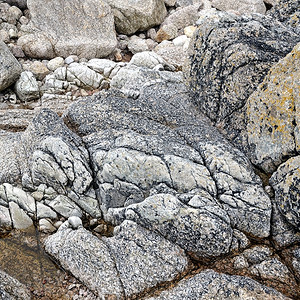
{"x": 19, "y": 3}
{"x": 211, "y": 285}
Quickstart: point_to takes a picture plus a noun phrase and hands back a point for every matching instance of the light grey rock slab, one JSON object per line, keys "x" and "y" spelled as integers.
{"x": 87, "y": 258}
{"x": 46, "y": 226}
{"x": 10, "y": 193}
{"x": 132, "y": 16}
{"x": 211, "y": 285}
{"x": 9, "y": 66}
{"x": 242, "y": 7}
{"x": 75, "y": 222}
{"x": 92, "y": 35}
{"x": 5, "y": 218}
{"x": 101, "y": 65}
{"x": 187, "y": 227}
{"x": 27, "y": 87}
{"x": 19, "y": 218}
{"x": 12, "y": 289}
{"x": 132, "y": 80}
{"x": 65, "y": 207}
{"x": 143, "y": 258}
{"x": 285, "y": 182}
{"x": 43, "y": 211}
{"x": 137, "y": 44}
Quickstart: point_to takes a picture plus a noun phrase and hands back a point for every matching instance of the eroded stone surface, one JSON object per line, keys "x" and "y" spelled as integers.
{"x": 212, "y": 285}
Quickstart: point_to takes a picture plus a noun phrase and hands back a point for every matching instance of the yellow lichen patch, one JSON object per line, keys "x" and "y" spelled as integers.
{"x": 273, "y": 111}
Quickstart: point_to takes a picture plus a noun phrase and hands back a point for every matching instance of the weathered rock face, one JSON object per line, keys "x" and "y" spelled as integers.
{"x": 133, "y": 260}
{"x": 288, "y": 13}
{"x": 92, "y": 35}
{"x": 230, "y": 56}
{"x": 243, "y": 7}
{"x": 11, "y": 289}
{"x": 273, "y": 114}
{"x": 286, "y": 185}
{"x": 211, "y": 285}
{"x": 9, "y": 66}
{"x": 137, "y": 15}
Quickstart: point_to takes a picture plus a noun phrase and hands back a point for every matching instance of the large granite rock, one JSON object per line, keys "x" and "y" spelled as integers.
{"x": 127, "y": 264}
{"x": 10, "y": 68}
{"x": 230, "y": 56}
{"x": 211, "y": 285}
{"x": 137, "y": 15}
{"x": 54, "y": 32}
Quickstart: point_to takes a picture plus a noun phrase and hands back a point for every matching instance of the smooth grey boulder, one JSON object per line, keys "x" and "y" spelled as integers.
{"x": 211, "y": 285}
{"x": 92, "y": 35}
{"x": 12, "y": 289}
{"x": 20, "y": 219}
{"x": 10, "y": 68}
{"x": 137, "y": 15}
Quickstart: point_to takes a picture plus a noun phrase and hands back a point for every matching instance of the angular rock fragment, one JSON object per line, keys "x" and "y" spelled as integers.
{"x": 243, "y": 7}
{"x": 10, "y": 68}
{"x": 143, "y": 258}
{"x": 27, "y": 87}
{"x": 137, "y": 15}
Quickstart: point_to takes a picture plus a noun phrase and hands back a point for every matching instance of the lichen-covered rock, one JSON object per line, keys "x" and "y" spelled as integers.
{"x": 211, "y": 285}
{"x": 10, "y": 68}
{"x": 273, "y": 113}
{"x": 230, "y": 56}
{"x": 137, "y": 15}
{"x": 92, "y": 35}
{"x": 286, "y": 183}
{"x": 12, "y": 289}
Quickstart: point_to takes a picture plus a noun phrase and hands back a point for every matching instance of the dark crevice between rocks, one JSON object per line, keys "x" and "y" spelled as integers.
{"x": 268, "y": 6}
